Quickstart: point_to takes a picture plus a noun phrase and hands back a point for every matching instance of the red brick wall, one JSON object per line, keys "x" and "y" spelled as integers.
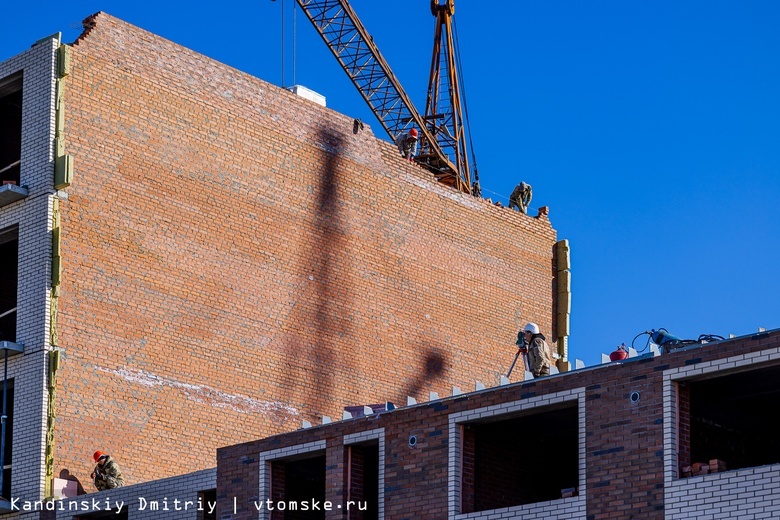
{"x": 237, "y": 260}
{"x": 684, "y": 425}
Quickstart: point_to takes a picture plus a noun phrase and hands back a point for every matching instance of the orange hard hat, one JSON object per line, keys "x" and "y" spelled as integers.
{"x": 97, "y": 455}
{"x": 413, "y": 132}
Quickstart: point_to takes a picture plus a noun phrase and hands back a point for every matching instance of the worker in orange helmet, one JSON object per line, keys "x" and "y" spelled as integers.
{"x": 407, "y": 144}
{"x": 106, "y": 474}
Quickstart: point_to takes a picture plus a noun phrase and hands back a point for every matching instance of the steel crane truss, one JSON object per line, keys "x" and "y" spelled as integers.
{"x": 353, "y": 47}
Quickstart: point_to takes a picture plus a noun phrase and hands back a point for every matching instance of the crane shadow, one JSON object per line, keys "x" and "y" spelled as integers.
{"x": 311, "y": 353}
{"x": 432, "y": 369}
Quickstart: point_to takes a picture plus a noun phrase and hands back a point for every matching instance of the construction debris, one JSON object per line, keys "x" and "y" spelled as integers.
{"x": 703, "y": 468}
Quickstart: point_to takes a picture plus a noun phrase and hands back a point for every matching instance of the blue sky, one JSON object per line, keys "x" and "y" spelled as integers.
{"x": 650, "y": 129}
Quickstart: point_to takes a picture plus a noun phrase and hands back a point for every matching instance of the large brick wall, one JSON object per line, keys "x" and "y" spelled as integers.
{"x": 628, "y": 453}
{"x": 236, "y": 260}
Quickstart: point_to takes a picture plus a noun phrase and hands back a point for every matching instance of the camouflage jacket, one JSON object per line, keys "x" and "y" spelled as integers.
{"x": 108, "y": 475}
{"x": 521, "y": 196}
{"x": 539, "y": 356}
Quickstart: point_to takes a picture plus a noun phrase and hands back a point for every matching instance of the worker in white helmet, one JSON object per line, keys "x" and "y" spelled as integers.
{"x": 536, "y": 347}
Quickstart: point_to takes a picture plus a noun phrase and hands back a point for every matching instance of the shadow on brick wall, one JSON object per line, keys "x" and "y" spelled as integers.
{"x": 313, "y": 353}
{"x": 433, "y": 368}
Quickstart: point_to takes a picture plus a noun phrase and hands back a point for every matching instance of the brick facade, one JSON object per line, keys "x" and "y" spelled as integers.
{"x": 630, "y": 431}
{"x": 237, "y": 260}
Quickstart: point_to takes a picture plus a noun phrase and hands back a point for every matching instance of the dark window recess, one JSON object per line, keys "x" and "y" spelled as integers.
{"x": 730, "y": 419}
{"x": 295, "y": 484}
{"x": 363, "y": 481}
{"x": 520, "y": 460}
{"x": 9, "y": 438}
{"x": 9, "y": 267}
{"x": 11, "y": 128}
{"x": 208, "y": 499}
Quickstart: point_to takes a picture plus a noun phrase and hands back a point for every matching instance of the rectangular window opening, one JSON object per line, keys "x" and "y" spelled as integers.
{"x": 296, "y": 484}
{"x": 362, "y": 480}
{"x": 9, "y": 266}
{"x": 726, "y": 421}
{"x": 11, "y": 128}
{"x": 9, "y": 438}
{"x": 516, "y": 460}
{"x": 206, "y": 499}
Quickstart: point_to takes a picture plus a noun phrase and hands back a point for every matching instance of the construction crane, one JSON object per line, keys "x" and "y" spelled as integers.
{"x": 443, "y": 149}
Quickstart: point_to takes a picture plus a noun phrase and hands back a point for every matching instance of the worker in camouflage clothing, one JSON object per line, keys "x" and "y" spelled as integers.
{"x": 106, "y": 474}
{"x": 521, "y": 197}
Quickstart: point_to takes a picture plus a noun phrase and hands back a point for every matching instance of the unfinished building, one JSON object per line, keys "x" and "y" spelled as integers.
{"x": 196, "y": 258}
{"x": 688, "y": 434}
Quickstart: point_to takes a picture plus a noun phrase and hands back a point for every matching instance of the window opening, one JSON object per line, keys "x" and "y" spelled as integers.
{"x": 9, "y": 428}
{"x": 725, "y": 419}
{"x": 11, "y": 128}
{"x": 9, "y": 266}
{"x": 206, "y": 498}
{"x": 518, "y": 460}
{"x": 363, "y": 481}
{"x": 296, "y": 483}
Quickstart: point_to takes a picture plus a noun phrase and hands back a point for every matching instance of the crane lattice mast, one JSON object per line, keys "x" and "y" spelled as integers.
{"x": 443, "y": 149}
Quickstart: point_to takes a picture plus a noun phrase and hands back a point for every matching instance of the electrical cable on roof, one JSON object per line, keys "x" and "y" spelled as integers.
{"x": 667, "y": 342}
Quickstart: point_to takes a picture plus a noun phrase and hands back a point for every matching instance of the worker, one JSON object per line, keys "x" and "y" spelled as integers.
{"x": 521, "y": 197}
{"x": 407, "y": 144}
{"x": 106, "y": 474}
{"x": 533, "y": 343}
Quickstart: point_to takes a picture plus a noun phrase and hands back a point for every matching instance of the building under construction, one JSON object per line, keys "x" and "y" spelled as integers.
{"x": 684, "y": 434}
{"x": 195, "y": 258}
{"x": 224, "y": 285}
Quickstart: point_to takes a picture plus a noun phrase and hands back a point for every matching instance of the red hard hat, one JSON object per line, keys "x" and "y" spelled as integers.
{"x": 97, "y": 455}
{"x": 413, "y": 132}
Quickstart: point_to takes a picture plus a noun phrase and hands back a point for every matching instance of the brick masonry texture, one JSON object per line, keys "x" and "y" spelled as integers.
{"x": 627, "y": 468}
{"x": 236, "y": 260}
{"x": 33, "y": 216}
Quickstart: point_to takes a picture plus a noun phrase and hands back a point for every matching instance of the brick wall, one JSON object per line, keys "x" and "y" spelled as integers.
{"x": 627, "y": 454}
{"x": 236, "y": 260}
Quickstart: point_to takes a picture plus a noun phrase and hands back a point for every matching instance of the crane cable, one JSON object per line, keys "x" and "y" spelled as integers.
{"x": 476, "y": 190}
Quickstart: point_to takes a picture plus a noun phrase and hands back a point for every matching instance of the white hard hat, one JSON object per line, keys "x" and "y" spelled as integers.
{"x": 533, "y": 328}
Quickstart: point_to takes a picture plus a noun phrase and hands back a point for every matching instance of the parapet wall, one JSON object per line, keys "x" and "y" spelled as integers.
{"x": 237, "y": 260}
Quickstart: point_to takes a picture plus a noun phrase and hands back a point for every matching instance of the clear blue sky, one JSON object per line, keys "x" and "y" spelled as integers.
{"x": 650, "y": 129}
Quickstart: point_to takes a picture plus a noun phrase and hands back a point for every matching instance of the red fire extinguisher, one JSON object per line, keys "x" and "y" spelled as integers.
{"x": 620, "y": 354}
